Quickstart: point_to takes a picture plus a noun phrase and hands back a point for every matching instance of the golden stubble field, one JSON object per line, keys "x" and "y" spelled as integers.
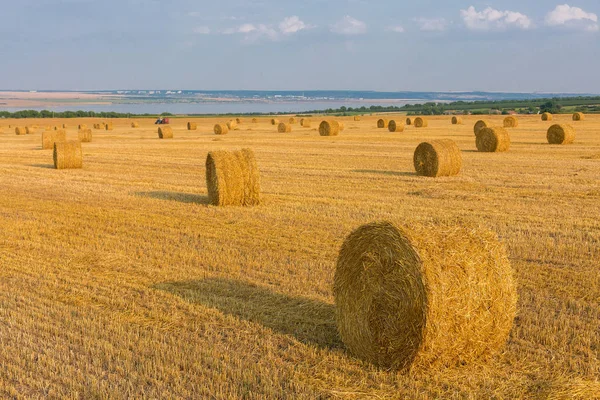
{"x": 118, "y": 280}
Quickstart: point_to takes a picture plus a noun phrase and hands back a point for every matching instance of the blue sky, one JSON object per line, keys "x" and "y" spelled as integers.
{"x": 390, "y": 45}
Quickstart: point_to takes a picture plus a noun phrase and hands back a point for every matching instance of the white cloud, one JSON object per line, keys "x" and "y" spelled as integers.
{"x": 292, "y": 24}
{"x": 490, "y": 18}
{"x": 397, "y": 29}
{"x": 247, "y": 28}
{"x": 574, "y": 17}
{"x": 432, "y": 25}
{"x": 349, "y": 26}
{"x": 202, "y": 30}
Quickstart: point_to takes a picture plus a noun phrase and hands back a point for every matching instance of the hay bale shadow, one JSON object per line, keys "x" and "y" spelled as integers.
{"x": 47, "y": 166}
{"x": 381, "y": 172}
{"x": 175, "y": 196}
{"x": 309, "y": 321}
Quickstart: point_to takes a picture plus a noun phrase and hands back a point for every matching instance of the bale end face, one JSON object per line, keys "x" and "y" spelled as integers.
{"x": 578, "y": 116}
{"x": 165, "y": 132}
{"x": 547, "y": 117}
{"x": 382, "y": 123}
{"x": 493, "y": 140}
{"x": 329, "y": 128}
{"x": 284, "y": 128}
{"x": 393, "y": 126}
{"x": 409, "y": 121}
{"x": 457, "y": 120}
{"x": 220, "y": 129}
{"x": 232, "y": 178}
{"x": 68, "y": 155}
{"x": 561, "y": 134}
{"x": 437, "y": 158}
{"x": 421, "y": 122}
{"x": 511, "y": 122}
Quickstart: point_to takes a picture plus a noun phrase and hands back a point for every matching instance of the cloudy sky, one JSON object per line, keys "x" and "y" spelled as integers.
{"x": 391, "y": 45}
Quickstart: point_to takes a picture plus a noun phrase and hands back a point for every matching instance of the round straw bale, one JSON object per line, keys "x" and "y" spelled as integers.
{"x": 221, "y": 129}
{"x": 19, "y": 130}
{"x": 342, "y": 126}
{"x": 109, "y": 126}
{"x": 82, "y": 126}
{"x": 165, "y": 132}
{"x": 479, "y": 125}
{"x": 254, "y": 120}
{"x": 274, "y": 121}
{"x": 329, "y": 128}
{"x": 68, "y": 155}
{"x": 29, "y": 130}
{"x": 457, "y": 120}
{"x": 50, "y": 137}
{"x": 561, "y": 134}
{"x": 578, "y": 116}
{"x": 547, "y": 116}
{"x": 232, "y": 178}
{"x": 382, "y": 123}
{"x": 292, "y": 120}
{"x": 135, "y": 125}
{"x": 511, "y": 122}
{"x": 395, "y": 127}
{"x": 238, "y": 121}
{"x": 192, "y": 126}
{"x": 493, "y": 140}
{"x": 64, "y": 126}
{"x": 231, "y": 125}
{"x": 423, "y": 296}
{"x": 409, "y": 121}
{"x": 305, "y": 122}
{"x": 96, "y": 126}
{"x": 438, "y": 158}
{"x": 357, "y": 117}
{"x": 421, "y": 122}
{"x": 85, "y": 135}
{"x": 284, "y": 128}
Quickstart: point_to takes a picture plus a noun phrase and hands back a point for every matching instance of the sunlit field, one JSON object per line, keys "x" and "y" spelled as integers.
{"x": 118, "y": 280}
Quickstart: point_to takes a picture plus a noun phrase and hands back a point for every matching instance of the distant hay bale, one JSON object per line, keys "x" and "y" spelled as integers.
{"x": 421, "y": 122}
{"x": 254, "y": 120}
{"x": 232, "y": 178}
{"x": 274, "y": 121}
{"x": 342, "y": 126}
{"x": 284, "y": 128}
{"x": 438, "y": 158}
{"x": 493, "y": 140}
{"x": 409, "y": 121}
{"x": 64, "y": 126}
{"x": 109, "y": 126}
{"x": 382, "y": 123}
{"x": 479, "y": 125}
{"x": 305, "y": 122}
{"x": 165, "y": 132}
{"x": 292, "y": 120}
{"x": 421, "y": 296}
{"x": 82, "y": 126}
{"x": 29, "y": 130}
{"x": 50, "y": 137}
{"x": 238, "y": 121}
{"x": 231, "y": 125}
{"x": 561, "y": 134}
{"x": 85, "y": 135}
{"x": 578, "y": 116}
{"x": 457, "y": 120}
{"x": 511, "y": 122}
{"x": 20, "y": 130}
{"x": 357, "y": 117}
{"x": 135, "y": 125}
{"x": 68, "y": 155}
{"x": 96, "y": 126}
{"x": 221, "y": 129}
{"x": 395, "y": 127}
{"x": 329, "y": 128}
{"x": 192, "y": 126}
{"x": 547, "y": 116}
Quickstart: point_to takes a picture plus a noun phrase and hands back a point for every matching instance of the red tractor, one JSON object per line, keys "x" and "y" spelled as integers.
{"x": 162, "y": 121}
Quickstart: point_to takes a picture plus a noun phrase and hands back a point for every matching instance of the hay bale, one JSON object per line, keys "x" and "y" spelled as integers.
{"x": 382, "y": 123}
{"x": 561, "y": 134}
{"x": 135, "y": 125}
{"x": 255, "y": 120}
{"x": 50, "y": 137}
{"x": 85, "y": 135}
{"x": 578, "y": 116}
{"x": 357, "y": 118}
{"x": 547, "y": 116}
{"x": 456, "y": 120}
{"x": 19, "y": 130}
{"x": 423, "y": 296}
{"x": 192, "y": 126}
{"x": 96, "y": 126}
{"x": 221, "y": 129}
{"x": 493, "y": 140}
{"x": 68, "y": 155}
{"x": 231, "y": 125}
{"x": 238, "y": 120}
{"x": 274, "y": 121}
{"x": 108, "y": 127}
{"x": 438, "y": 158}
{"x": 395, "y": 127}
{"x": 409, "y": 121}
{"x": 284, "y": 128}
{"x": 165, "y": 132}
{"x": 232, "y": 178}
{"x": 479, "y": 125}
{"x": 292, "y": 120}
{"x": 421, "y": 122}
{"x": 305, "y": 122}
{"x": 29, "y": 130}
{"x": 82, "y": 126}
{"x": 329, "y": 128}
{"x": 64, "y": 126}
{"x": 342, "y": 126}
{"x": 511, "y": 122}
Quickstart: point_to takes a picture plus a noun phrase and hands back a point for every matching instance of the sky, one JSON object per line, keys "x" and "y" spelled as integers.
{"x": 383, "y": 45}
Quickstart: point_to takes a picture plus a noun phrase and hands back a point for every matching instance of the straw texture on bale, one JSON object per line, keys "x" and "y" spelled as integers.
{"x": 409, "y": 121}
{"x": 547, "y": 116}
{"x": 192, "y": 126}
{"x": 221, "y": 129}
{"x": 274, "y": 121}
{"x": 493, "y": 140}
{"x": 135, "y": 125}
{"x": 82, "y": 126}
{"x": 96, "y": 126}
{"x": 284, "y": 128}
{"x": 479, "y": 125}
{"x": 511, "y": 122}
{"x": 29, "y": 130}
{"x": 51, "y": 137}
{"x": 329, "y": 128}
{"x": 305, "y": 122}
{"x": 561, "y": 134}
{"x": 232, "y": 178}
{"x": 19, "y": 130}
{"x": 85, "y": 135}
{"x": 231, "y": 125}
{"x": 109, "y": 126}
{"x": 292, "y": 120}
{"x": 393, "y": 126}
{"x": 578, "y": 116}
{"x": 423, "y": 296}
{"x": 238, "y": 120}
{"x": 68, "y": 155}
{"x": 382, "y": 123}
{"x": 421, "y": 122}
{"x": 342, "y": 126}
{"x": 357, "y": 118}
{"x": 165, "y": 132}
{"x": 438, "y": 158}
{"x": 457, "y": 120}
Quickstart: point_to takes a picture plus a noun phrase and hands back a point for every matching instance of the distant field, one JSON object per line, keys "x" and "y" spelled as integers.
{"x": 119, "y": 281}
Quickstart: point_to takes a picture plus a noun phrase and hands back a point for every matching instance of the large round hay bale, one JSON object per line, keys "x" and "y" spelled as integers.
{"x": 479, "y": 125}
{"x": 274, "y": 121}
{"x": 165, "y": 132}
{"x": 82, "y": 126}
{"x": 50, "y": 137}
{"x": 135, "y": 125}
{"x": 68, "y": 155}
{"x": 456, "y": 120}
{"x": 284, "y": 128}
{"x": 421, "y": 122}
{"x": 231, "y": 125}
{"x": 493, "y": 140}
{"x": 292, "y": 120}
{"x": 393, "y": 126}
{"x": 423, "y": 296}
{"x": 409, "y": 121}
{"x": 305, "y": 122}
{"x": 357, "y": 117}
{"x": 20, "y": 130}
{"x": 547, "y": 116}
{"x": 437, "y": 158}
{"x": 192, "y": 126}
{"x": 329, "y": 128}
{"x": 561, "y": 134}
{"x": 511, "y": 122}
{"x": 232, "y": 178}
{"x": 382, "y": 123}
{"x": 108, "y": 127}
{"x": 220, "y": 129}
{"x": 578, "y": 116}
{"x": 85, "y": 135}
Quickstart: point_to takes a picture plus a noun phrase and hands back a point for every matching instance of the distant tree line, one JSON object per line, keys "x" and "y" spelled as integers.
{"x": 71, "y": 114}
